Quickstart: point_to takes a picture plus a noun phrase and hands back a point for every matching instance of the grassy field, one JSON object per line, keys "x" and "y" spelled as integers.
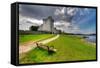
{"x": 69, "y": 48}
{"x": 35, "y": 37}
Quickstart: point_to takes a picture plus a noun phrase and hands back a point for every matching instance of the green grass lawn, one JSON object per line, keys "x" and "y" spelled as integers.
{"x": 35, "y": 37}
{"x": 69, "y": 48}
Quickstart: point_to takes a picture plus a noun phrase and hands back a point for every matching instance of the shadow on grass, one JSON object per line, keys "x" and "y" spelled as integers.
{"x": 48, "y": 53}
{"x": 35, "y": 56}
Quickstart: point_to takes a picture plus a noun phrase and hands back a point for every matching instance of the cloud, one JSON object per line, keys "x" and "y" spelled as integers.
{"x": 71, "y": 11}
{"x": 60, "y": 11}
{"x": 26, "y": 22}
{"x": 88, "y": 31}
{"x": 67, "y": 27}
{"x": 36, "y": 11}
{"x": 66, "y": 19}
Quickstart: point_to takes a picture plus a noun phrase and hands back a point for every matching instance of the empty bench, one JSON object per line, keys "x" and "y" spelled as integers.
{"x": 47, "y": 48}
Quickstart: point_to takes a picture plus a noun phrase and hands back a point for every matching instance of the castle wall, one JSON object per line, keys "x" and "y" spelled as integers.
{"x": 48, "y": 25}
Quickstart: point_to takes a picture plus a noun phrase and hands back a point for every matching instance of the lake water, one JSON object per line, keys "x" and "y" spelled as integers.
{"x": 91, "y": 38}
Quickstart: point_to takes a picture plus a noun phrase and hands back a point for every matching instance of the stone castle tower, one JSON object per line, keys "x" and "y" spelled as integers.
{"x": 48, "y": 25}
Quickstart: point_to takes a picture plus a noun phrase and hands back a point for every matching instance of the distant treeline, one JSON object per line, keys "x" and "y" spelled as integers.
{"x": 79, "y": 34}
{"x": 45, "y": 32}
{"x": 22, "y": 32}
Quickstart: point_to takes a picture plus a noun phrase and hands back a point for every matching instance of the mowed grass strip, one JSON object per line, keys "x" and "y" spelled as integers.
{"x": 69, "y": 48}
{"x": 34, "y": 37}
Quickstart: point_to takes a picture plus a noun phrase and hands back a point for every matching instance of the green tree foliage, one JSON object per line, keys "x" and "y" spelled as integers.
{"x": 34, "y": 28}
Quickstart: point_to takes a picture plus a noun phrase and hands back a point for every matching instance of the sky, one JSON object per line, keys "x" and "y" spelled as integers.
{"x": 67, "y": 19}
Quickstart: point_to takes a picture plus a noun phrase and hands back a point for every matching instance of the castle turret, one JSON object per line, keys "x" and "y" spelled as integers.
{"x": 48, "y": 25}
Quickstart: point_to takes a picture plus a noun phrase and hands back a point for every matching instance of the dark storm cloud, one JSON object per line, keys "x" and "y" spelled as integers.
{"x": 37, "y": 12}
{"x": 40, "y": 12}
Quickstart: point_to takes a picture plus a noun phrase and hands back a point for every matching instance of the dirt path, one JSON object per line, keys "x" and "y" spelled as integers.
{"x": 31, "y": 45}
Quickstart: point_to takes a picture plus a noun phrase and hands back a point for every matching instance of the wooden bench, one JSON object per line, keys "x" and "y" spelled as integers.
{"x": 47, "y": 48}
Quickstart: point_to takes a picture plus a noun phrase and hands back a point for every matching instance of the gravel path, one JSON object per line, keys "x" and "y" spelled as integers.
{"x": 31, "y": 45}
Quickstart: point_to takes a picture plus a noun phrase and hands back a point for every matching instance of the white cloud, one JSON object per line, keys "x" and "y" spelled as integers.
{"x": 38, "y": 22}
{"x": 87, "y": 31}
{"x": 71, "y": 11}
{"x": 60, "y": 11}
{"x": 26, "y": 22}
{"x": 67, "y": 27}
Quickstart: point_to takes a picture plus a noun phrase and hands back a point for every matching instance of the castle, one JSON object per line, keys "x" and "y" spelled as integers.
{"x": 48, "y": 26}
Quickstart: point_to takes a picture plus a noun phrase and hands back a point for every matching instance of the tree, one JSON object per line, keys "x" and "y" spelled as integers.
{"x": 33, "y": 28}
